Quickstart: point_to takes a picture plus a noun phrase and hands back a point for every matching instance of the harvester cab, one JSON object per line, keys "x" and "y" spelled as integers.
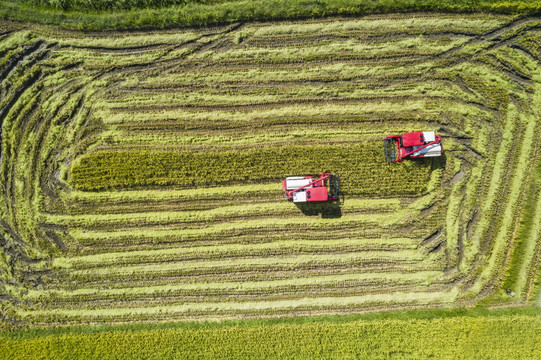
{"x": 412, "y": 145}
{"x": 307, "y": 188}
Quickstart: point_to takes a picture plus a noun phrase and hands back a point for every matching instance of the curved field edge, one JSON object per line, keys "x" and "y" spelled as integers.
{"x": 444, "y": 334}
{"x": 522, "y": 261}
{"x": 195, "y": 14}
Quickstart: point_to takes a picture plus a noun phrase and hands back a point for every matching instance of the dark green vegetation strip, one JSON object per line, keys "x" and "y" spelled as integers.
{"x": 139, "y": 14}
{"x": 527, "y": 226}
{"x": 513, "y": 337}
{"x": 403, "y": 315}
{"x": 361, "y": 166}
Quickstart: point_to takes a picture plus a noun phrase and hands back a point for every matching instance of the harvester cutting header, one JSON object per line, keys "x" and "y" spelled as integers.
{"x": 306, "y": 188}
{"x": 412, "y": 145}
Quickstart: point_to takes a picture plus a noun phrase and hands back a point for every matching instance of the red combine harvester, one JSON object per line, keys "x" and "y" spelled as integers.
{"x": 412, "y": 145}
{"x": 306, "y": 188}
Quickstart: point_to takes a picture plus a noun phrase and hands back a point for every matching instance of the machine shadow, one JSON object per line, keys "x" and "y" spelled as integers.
{"x": 328, "y": 210}
{"x": 439, "y": 162}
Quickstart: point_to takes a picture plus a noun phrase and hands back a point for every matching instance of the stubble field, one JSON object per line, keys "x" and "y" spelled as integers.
{"x": 141, "y": 172}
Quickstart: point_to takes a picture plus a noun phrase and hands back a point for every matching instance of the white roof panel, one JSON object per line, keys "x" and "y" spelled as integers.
{"x": 295, "y": 182}
{"x": 299, "y": 196}
{"x": 429, "y": 136}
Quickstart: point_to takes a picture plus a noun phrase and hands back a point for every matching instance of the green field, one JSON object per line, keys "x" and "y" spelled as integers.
{"x": 162, "y": 14}
{"x": 141, "y": 181}
{"x": 443, "y": 336}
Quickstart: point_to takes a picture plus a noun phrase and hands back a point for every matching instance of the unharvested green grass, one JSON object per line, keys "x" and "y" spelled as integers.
{"x": 136, "y": 168}
{"x": 172, "y": 194}
{"x": 198, "y": 14}
{"x": 257, "y": 136}
{"x": 513, "y": 337}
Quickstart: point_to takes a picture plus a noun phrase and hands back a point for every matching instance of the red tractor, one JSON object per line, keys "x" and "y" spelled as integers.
{"x": 412, "y": 145}
{"x": 306, "y": 188}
